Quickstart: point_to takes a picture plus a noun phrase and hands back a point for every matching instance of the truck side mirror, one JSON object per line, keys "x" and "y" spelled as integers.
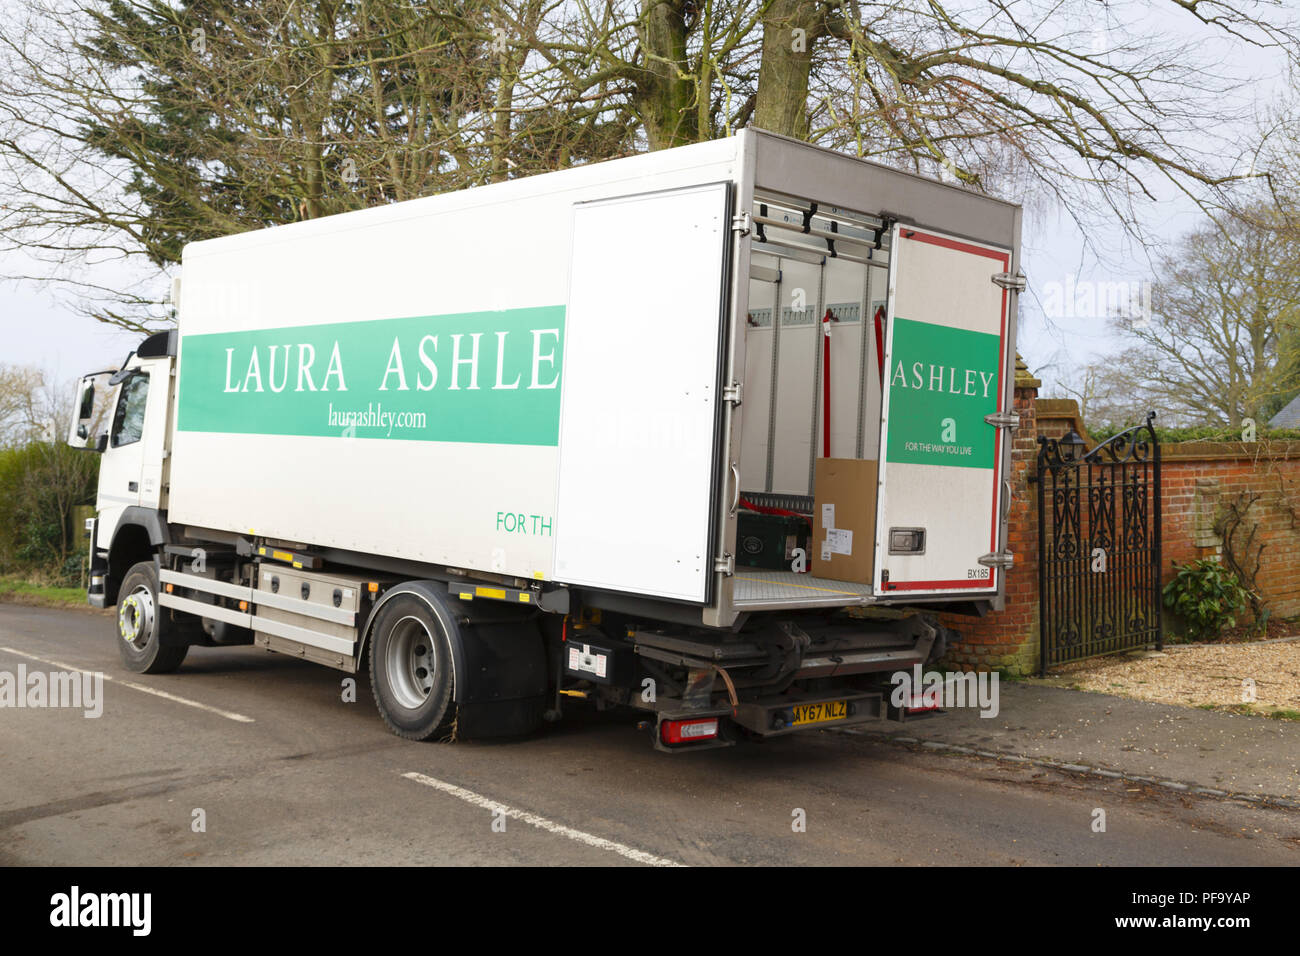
{"x": 88, "y": 430}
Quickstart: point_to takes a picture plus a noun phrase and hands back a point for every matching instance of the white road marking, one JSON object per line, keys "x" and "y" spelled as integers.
{"x": 229, "y": 715}
{"x": 550, "y": 826}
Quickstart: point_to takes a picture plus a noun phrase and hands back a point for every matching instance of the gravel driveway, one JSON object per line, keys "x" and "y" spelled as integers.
{"x": 1199, "y": 675}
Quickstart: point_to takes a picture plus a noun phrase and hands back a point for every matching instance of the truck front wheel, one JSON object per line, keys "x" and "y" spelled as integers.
{"x": 140, "y": 624}
{"x": 411, "y": 669}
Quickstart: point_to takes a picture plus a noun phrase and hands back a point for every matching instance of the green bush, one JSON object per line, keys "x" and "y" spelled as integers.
{"x": 39, "y": 485}
{"x": 1171, "y": 436}
{"x": 70, "y": 574}
{"x": 1206, "y": 596}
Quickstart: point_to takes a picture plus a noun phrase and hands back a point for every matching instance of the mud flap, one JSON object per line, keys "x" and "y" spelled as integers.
{"x": 503, "y": 674}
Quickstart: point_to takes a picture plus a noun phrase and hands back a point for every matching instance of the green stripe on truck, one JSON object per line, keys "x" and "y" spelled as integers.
{"x": 476, "y": 377}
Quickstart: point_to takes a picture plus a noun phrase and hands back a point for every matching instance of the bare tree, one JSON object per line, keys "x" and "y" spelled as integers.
{"x": 1103, "y": 396}
{"x": 129, "y": 127}
{"x": 20, "y": 395}
{"x": 1223, "y": 339}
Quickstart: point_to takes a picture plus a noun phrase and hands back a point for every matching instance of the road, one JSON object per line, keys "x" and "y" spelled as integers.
{"x": 263, "y": 751}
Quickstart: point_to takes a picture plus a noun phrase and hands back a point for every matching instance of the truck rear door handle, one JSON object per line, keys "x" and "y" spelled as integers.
{"x": 132, "y": 486}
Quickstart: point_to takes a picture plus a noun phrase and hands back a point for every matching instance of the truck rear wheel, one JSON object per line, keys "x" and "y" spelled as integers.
{"x": 411, "y": 669}
{"x": 141, "y": 623}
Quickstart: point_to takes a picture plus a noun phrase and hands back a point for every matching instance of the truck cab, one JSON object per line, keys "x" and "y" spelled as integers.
{"x": 124, "y": 414}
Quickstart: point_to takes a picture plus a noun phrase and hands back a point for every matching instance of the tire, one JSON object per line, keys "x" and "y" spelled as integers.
{"x": 141, "y": 624}
{"x": 411, "y": 670}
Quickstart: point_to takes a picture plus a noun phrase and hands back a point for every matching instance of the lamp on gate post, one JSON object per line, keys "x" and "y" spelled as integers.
{"x": 1071, "y": 445}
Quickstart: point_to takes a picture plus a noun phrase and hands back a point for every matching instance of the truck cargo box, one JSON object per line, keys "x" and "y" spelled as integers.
{"x": 577, "y": 378}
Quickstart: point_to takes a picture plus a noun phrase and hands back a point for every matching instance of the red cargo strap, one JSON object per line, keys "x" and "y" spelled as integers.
{"x": 827, "y": 319}
{"x": 880, "y": 343}
{"x": 765, "y": 510}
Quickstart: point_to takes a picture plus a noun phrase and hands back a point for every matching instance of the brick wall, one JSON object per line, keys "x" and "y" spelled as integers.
{"x": 1199, "y": 481}
{"x": 1008, "y": 640}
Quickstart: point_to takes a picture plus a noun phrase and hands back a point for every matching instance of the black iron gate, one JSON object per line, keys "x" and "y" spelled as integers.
{"x": 1099, "y": 545}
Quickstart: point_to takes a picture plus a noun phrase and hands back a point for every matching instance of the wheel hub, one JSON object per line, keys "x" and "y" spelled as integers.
{"x": 411, "y": 662}
{"x": 135, "y": 617}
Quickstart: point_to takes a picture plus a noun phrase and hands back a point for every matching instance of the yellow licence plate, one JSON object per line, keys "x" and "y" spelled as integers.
{"x": 819, "y": 713}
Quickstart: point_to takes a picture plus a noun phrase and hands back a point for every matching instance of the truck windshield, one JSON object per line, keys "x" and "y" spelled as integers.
{"x": 128, "y": 421}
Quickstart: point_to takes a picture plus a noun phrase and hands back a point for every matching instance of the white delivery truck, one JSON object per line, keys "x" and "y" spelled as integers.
{"x": 560, "y": 438}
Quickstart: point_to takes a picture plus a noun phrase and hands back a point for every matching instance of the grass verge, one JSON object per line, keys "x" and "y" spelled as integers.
{"x": 1255, "y": 710}
{"x": 16, "y": 590}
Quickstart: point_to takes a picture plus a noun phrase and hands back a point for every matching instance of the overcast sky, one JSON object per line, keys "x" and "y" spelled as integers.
{"x": 37, "y": 330}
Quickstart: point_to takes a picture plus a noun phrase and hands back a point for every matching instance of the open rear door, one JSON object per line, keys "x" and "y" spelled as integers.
{"x": 941, "y": 455}
{"x": 639, "y": 417}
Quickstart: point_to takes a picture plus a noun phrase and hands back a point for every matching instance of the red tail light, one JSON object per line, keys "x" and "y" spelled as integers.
{"x": 688, "y": 731}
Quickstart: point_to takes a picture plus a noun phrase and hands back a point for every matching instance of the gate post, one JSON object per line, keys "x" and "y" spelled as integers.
{"x": 1157, "y": 557}
{"x": 1037, "y": 478}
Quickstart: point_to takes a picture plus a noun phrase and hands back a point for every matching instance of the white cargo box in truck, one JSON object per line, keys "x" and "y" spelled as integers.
{"x": 572, "y": 386}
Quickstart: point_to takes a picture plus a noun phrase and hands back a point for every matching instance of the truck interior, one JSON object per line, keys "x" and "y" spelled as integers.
{"x": 814, "y": 337}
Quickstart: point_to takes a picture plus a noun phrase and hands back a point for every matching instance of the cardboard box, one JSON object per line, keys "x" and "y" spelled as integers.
{"x": 844, "y": 520}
